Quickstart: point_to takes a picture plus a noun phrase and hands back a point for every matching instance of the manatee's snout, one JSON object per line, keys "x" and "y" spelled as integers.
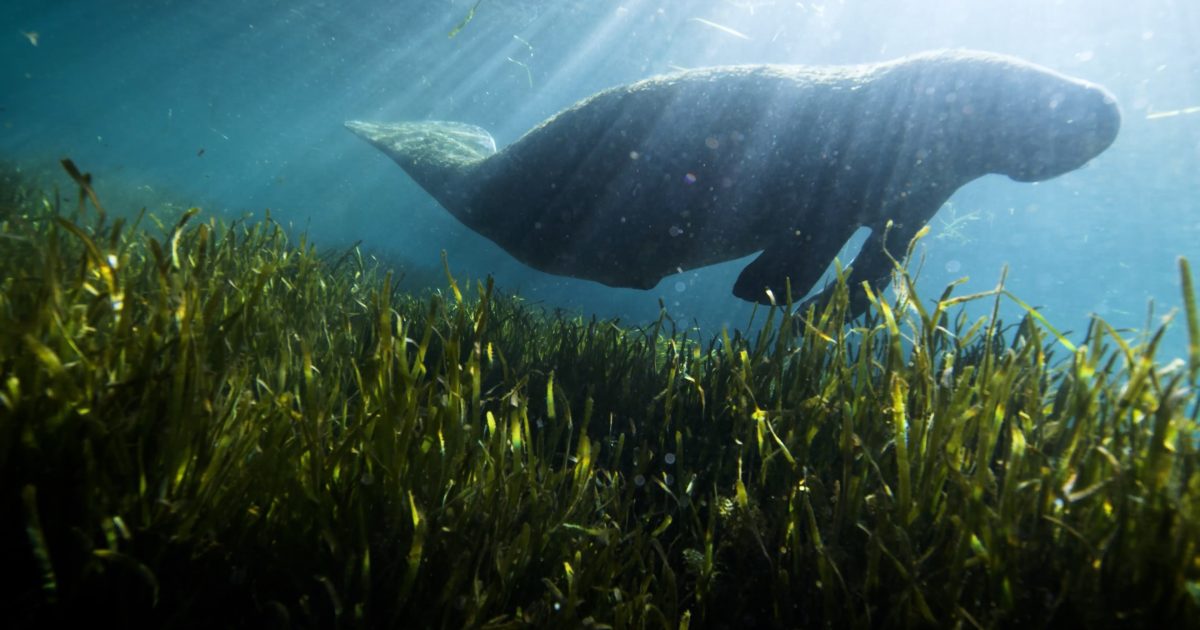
{"x": 1108, "y": 120}
{"x": 1076, "y": 125}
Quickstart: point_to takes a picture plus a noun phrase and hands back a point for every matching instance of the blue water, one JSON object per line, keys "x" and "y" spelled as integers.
{"x": 237, "y": 106}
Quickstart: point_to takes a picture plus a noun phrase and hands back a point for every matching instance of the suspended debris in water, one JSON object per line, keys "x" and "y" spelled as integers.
{"x": 528, "y": 74}
{"x": 524, "y": 66}
{"x": 1173, "y": 112}
{"x": 720, "y": 27}
{"x": 32, "y": 36}
{"x": 461, "y": 25}
{"x": 953, "y": 224}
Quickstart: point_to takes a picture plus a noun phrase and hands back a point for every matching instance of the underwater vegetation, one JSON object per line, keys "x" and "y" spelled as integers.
{"x": 215, "y": 423}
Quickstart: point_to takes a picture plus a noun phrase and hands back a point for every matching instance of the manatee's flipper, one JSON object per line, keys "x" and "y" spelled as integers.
{"x": 434, "y": 153}
{"x": 780, "y": 264}
{"x": 872, "y": 264}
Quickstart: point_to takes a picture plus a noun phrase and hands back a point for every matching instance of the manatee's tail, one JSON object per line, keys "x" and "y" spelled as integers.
{"x": 434, "y": 153}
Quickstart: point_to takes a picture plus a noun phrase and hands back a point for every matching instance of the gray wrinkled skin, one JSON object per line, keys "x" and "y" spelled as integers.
{"x": 689, "y": 169}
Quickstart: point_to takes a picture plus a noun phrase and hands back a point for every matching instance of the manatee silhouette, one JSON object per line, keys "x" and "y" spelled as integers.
{"x": 702, "y": 166}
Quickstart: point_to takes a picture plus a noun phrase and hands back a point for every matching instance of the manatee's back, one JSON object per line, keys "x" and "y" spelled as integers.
{"x": 436, "y": 154}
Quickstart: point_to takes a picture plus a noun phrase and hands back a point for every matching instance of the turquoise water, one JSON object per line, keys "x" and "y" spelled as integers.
{"x": 238, "y": 107}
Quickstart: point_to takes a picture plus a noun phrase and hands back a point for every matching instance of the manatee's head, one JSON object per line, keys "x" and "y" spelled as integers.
{"x": 1039, "y": 123}
{"x": 1009, "y": 116}
{"x": 1066, "y": 128}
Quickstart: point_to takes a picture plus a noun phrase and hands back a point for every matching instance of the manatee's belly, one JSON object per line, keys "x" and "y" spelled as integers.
{"x": 632, "y": 250}
{"x": 633, "y": 227}
{"x": 625, "y": 250}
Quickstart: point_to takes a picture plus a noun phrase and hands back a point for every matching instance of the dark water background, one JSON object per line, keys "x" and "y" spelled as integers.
{"x": 238, "y": 106}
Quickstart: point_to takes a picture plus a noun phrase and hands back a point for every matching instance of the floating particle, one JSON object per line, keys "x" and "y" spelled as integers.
{"x": 690, "y": 178}
{"x": 675, "y": 230}
{"x": 680, "y": 286}
{"x": 720, "y": 27}
{"x": 1173, "y": 112}
{"x": 953, "y": 266}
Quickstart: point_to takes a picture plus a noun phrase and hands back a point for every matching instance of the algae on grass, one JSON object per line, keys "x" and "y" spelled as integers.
{"x": 215, "y": 423}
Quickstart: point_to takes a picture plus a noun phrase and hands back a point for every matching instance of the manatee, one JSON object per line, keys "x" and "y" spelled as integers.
{"x": 702, "y": 166}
